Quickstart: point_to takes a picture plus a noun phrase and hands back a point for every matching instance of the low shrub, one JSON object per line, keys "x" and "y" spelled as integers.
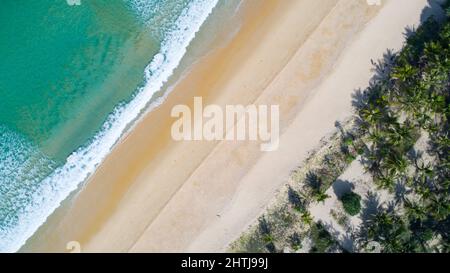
{"x": 352, "y": 203}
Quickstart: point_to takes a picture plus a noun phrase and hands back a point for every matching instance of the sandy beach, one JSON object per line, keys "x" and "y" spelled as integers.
{"x": 153, "y": 194}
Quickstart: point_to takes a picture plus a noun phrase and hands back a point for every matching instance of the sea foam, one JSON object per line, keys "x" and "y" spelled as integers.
{"x": 53, "y": 189}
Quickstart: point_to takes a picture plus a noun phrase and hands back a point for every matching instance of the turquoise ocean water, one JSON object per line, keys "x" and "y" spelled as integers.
{"x": 72, "y": 80}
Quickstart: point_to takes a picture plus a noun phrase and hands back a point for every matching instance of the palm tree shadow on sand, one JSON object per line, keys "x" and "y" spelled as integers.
{"x": 341, "y": 187}
{"x": 383, "y": 67}
{"x": 371, "y": 207}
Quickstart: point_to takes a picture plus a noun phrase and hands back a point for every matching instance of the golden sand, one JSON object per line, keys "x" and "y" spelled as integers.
{"x": 155, "y": 194}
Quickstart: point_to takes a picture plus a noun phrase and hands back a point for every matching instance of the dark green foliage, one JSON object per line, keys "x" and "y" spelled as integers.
{"x": 409, "y": 95}
{"x": 411, "y": 99}
{"x": 352, "y": 203}
{"x": 322, "y": 241}
{"x": 267, "y": 235}
{"x": 296, "y": 241}
{"x": 391, "y": 232}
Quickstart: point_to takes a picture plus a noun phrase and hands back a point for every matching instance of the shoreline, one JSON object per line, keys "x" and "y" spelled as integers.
{"x": 39, "y": 240}
{"x": 137, "y": 202}
{"x": 66, "y": 179}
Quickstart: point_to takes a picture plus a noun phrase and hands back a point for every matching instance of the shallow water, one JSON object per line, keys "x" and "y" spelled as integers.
{"x": 72, "y": 79}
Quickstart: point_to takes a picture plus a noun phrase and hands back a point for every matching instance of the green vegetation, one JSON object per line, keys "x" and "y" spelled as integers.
{"x": 286, "y": 225}
{"x": 412, "y": 100}
{"x": 296, "y": 241}
{"x": 322, "y": 241}
{"x": 352, "y": 203}
{"x": 408, "y": 100}
{"x": 318, "y": 180}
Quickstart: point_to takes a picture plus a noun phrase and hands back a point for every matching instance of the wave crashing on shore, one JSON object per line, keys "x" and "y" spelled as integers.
{"x": 32, "y": 185}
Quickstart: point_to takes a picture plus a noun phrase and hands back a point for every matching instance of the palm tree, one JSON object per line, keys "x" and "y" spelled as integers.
{"x": 439, "y": 207}
{"x": 321, "y": 196}
{"x": 307, "y": 218}
{"x": 404, "y": 73}
{"x": 390, "y": 231}
{"x": 414, "y": 211}
{"x": 371, "y": 115}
